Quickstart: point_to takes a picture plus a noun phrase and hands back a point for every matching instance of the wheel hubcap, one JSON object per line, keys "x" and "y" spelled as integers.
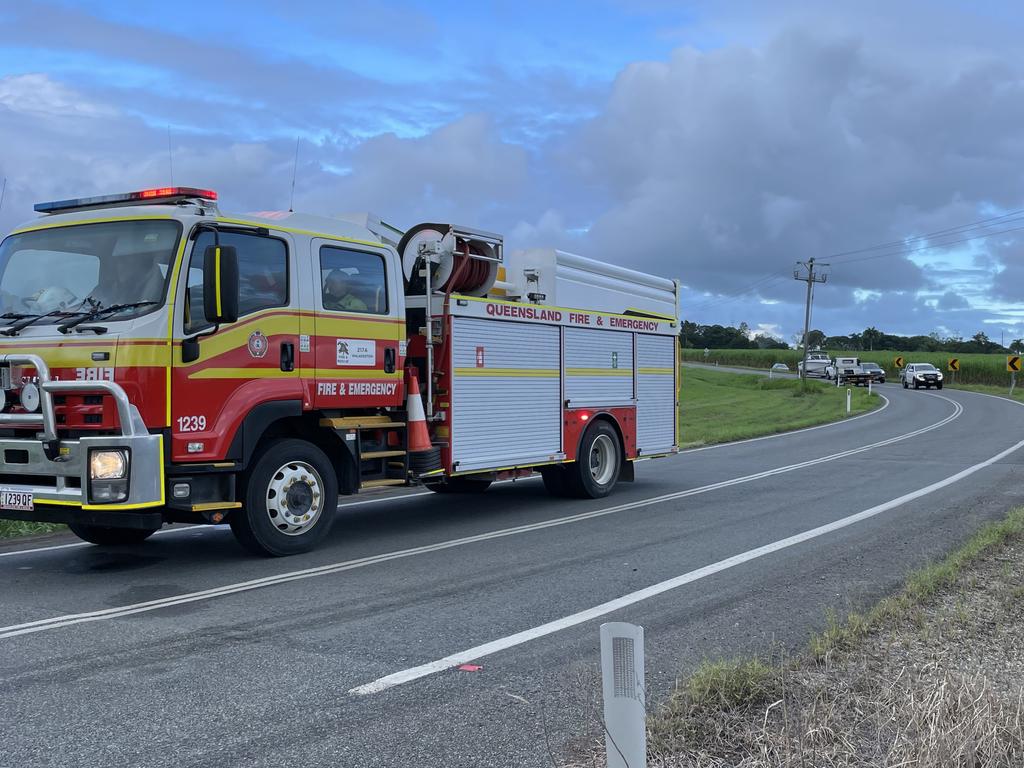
{"x": 295, "y": 498}
{"x": 603, "y": 460}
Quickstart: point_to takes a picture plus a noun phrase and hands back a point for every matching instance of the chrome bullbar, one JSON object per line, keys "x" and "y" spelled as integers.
{"x": 58, "y": 471}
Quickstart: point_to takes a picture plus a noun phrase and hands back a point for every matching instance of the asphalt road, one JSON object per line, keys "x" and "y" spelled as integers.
{"x": 187, "y": 652}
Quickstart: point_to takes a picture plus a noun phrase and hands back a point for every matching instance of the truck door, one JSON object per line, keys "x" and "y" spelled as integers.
{"x": 360, "y": 327}
{"x": 240, "y": 365}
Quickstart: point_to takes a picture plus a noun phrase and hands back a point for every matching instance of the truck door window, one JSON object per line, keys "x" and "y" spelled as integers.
{"x": 353, "y": 281}
{"x": 262, "y": 275}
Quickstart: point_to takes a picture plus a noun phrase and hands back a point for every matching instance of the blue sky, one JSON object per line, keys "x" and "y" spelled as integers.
{"x": 716, "y": 142}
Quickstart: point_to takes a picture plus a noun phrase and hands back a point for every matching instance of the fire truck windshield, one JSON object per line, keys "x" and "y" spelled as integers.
{"x": 50, "y": 274}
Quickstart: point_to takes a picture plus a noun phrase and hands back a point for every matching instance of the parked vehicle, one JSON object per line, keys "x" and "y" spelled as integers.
{"x": 876, "y": 371}
{"x": 163, "y": 362}
{"x": 847, "y": 370}
{"x": 919, "y": 375}
{"x": 817, "y": 364}
{"x": 780, "y": 368}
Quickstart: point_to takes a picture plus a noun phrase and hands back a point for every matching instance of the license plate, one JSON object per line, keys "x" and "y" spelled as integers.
{"x": 20, "y": 500}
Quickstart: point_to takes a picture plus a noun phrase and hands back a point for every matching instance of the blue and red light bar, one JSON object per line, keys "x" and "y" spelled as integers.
{"x": 158, "y": 195}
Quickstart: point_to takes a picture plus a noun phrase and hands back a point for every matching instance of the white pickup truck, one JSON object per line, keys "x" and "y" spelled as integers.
{"x": 848, "y": 370}
{"x": 817, "y": 364}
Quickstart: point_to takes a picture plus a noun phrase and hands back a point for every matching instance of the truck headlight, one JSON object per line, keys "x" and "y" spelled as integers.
{"x": 108, "y": 465}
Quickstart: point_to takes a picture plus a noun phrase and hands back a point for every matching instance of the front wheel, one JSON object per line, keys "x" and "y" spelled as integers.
{"x": 598, "y": 463}
{"x": 111, "y": 537}
{"x": 938, "y": 386}
{"x": 904, "y": 384}
{"x": 290, "y": 495}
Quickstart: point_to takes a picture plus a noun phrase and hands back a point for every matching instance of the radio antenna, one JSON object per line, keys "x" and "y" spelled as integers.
{"x": 295, "y": 171}
{"x": 170, "y": 154}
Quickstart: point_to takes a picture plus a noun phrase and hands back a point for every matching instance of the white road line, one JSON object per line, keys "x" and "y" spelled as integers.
{"x": 346, "y": 505}
{"x": 87, "y": 544}
{"x": 504, "y": 643}
{"x": 399, "y": 497}
{"x": 56, "y": 622}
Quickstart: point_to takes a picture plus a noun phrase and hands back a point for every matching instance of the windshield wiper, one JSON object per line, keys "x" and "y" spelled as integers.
{"x": 27, "y": 320}
{"x": 99, "y": 310}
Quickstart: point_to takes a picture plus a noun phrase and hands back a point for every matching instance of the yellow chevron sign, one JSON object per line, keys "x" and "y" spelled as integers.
{"x": 1013, "y": 363}
{"x": 954, "y": 364}
{"x": 899, "y": 361}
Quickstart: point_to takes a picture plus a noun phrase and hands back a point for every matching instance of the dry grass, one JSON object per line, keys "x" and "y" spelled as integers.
{"x": 932, "y": 677}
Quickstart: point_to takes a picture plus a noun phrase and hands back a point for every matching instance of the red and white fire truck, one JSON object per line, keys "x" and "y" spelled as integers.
{"x": 161, "y": 361}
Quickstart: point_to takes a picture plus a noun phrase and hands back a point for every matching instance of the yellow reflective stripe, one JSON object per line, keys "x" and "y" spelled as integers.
{"x": 506, "y": 469}
{"x": 265, "y": 224}
{"x": 487, "y": 300}
{"x": 105, "y": 220}
{"x": 647, "y": 313}
{"x": 172, "y": 292}
{"x": 598, "y": 372}
{"x": 523, "y": 373}
{"x": 658, "y": 371}
{"x": 273, "y": 373}
{"x": 216, "y": 278}
{"x": 80, "y": 356}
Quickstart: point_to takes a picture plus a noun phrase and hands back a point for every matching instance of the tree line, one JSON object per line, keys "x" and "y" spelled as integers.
{"x": 697, "y": 336}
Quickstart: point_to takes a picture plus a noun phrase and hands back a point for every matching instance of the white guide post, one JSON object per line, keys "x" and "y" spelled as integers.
{"x": 849, "y": 395}
{"x": 625, "y": 714}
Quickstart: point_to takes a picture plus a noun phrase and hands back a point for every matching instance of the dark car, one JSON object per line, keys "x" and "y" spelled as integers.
{"x": 876, "y": 371}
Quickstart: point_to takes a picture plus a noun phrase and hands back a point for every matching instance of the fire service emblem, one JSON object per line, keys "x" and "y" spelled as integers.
{"x": 258, "y": 345}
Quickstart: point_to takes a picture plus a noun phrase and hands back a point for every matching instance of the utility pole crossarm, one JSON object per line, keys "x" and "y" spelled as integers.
{"x": 809, "y": 276}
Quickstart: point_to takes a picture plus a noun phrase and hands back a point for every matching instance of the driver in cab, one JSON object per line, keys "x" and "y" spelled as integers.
{"x": 338, "y": 293}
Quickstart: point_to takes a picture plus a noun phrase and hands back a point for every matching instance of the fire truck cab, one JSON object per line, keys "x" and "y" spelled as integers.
{"x": 161, "y": 362}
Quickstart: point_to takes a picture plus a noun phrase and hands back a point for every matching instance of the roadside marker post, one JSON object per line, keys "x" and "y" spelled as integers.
{"x": 1013, "y": 366}
{"x": 849, "y": 394}
{"x": 622, "y": 683}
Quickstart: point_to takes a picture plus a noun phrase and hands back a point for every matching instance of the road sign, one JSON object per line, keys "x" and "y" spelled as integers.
{"x": 899, "y": 361}
{"x": 1013, "y": 363}
{"x": 954, "y": 363}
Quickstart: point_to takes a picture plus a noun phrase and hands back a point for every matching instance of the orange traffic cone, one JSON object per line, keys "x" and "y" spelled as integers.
{"x": 419, "y": 437}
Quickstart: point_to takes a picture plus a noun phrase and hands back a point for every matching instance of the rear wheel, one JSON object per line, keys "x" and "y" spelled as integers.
{"x": 598, "y": 463}
{"x": 461, "y": 485}
{"x": 111, "y": 537}
{"x": 290, "y": 495}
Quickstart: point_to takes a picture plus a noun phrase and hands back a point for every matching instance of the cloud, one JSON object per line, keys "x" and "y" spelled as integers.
{"x": 801, "y": 133}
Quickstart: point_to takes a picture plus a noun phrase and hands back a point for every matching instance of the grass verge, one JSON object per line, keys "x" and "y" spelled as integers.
{"x": 10, "y": 529}
{"x": 717, "y": 406}
{"x": 932, "y": 676}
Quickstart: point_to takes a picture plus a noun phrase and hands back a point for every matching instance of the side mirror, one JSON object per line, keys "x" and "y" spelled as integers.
{"x": 220, "y": 284}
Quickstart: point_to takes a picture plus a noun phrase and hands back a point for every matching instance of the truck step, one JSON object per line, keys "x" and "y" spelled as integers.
{"x": 380, "y": 454}
{"x": 360, "y": 422}
{"x": 383, "y": 482}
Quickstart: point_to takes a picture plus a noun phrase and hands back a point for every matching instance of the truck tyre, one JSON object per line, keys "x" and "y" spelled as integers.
{"x": 290, "y": 494}
{"x": 904, "y": 383}
{"x": 111, "y": 537}
{"x": 939, "y": 385}
{"x": 461, "y": 485}
{"x": 598, "y": 463}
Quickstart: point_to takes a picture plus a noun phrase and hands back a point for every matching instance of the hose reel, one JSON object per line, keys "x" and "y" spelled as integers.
{"x": 461, "y": 260}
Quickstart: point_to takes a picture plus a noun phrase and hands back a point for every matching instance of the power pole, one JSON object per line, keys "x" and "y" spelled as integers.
{"x": 805, "y": 272}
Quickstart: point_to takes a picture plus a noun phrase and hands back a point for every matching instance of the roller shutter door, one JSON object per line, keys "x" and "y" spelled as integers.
{"x": 656, "y": 394}
{"x": 506, "y": 394}
{"x": 598, "y": 367}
